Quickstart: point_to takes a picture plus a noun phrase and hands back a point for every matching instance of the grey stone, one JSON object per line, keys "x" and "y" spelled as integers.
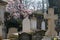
{"x": 26, "y": 25}
{"x": 0, "y": 30}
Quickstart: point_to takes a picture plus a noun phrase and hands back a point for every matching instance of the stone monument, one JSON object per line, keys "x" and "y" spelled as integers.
{"x": 2, "y": 10}
{"x": 33, "y": 22}
{"x": 51, "y": 24}
{"x": 26, "y": 25}
{"x": 43, "y": 25}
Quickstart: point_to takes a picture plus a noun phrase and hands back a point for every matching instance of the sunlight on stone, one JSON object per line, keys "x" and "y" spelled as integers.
{"x": 15, "y": 33}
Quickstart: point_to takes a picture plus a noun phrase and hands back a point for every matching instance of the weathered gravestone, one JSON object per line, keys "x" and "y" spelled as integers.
{"x": 33, "y": 22}
{"x": 51, "y": 24}
{"x": 2, "y": 10}
{"x": 43, "y": 26}
{"x": 12, "y": 31}
{"x": 26, "y": 25}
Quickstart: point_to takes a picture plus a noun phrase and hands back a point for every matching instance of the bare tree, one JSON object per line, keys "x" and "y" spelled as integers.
{"x": 23, "y": 6}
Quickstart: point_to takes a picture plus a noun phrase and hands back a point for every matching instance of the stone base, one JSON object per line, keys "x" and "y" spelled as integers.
{"x": 6, "y": 39}
{"x": 51, "y": 33}
{"x": 11, "y": 32}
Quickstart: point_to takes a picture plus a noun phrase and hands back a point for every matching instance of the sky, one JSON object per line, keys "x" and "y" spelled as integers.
{"x": 34, "y": 4}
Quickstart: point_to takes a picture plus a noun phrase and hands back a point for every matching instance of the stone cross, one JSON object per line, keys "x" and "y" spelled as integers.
{"x": 51, "y": 24}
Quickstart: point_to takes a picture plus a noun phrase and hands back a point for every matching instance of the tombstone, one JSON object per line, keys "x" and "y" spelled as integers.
{"x": 2, "y": 10}
{"x": 51, "y": 24}
{"x": 33, "y": 21}
{"x": 37, "y": 19}
{"x": 43, "y": 26}
{"x": 12, "y": 31}
{"x": 26, "y": 25}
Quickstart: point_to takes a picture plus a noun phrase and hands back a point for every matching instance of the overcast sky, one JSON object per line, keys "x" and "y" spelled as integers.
{"x": 35, "y": 4}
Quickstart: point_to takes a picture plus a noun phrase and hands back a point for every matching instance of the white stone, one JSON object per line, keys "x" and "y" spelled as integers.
{"x": 15, "y": 33}
{"x": 43, "y": 25}
{"x": 26, "y": 25}
{"x": 6, "y": 39}
{"x": 33, "y": 23}
{"x": 0, "y": 30}
{"x": 2, "y": 10}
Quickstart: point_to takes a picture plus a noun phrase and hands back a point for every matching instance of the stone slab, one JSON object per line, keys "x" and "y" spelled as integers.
{"x": 26, "y": 25}
{"x": 6, "y": 39}
{"x": 34, "y": 24}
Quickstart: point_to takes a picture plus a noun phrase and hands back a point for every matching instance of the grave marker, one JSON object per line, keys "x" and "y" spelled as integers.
{"x": 2, "y": 10}
{"x": 26, "y": 25}
{"x": 51, "y": 24}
